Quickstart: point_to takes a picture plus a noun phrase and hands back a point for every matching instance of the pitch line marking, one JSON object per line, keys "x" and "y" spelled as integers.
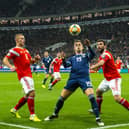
{"x": 18, "y": 126}
{"x": 111, "y": 126}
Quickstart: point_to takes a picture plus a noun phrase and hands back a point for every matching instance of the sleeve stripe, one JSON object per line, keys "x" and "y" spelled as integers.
{"x": 107, "y": 55}
{"x": 14, "y": 52}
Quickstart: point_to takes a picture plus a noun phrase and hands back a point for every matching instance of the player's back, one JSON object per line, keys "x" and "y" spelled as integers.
{"x": 109, "y": 68}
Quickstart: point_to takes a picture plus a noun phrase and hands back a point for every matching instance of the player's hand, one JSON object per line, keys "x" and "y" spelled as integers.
{"x": 87, "y": 42}
{"x": 37, "y": 57}
{"x": 13, "y": 68}
{"x": 50, "y": 71}
{"x": 45, "y": 68}
{"x": 93, "y": 68}
{"x": 63, "y": 55}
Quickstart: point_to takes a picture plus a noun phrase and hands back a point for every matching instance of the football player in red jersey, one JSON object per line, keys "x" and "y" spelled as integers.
{"x": 22, "y": 60}
{"x": 118, "y": 64}
{"x": 112, "y": 77}
{"x": 56, "y": 63}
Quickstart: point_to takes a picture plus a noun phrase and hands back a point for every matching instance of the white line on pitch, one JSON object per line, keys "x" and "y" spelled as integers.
{"x": 18, "y": 126}
{"x": 111, "y": 126}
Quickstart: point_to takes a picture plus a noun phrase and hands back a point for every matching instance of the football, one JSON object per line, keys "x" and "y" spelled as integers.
{"x": 74, "y": 29}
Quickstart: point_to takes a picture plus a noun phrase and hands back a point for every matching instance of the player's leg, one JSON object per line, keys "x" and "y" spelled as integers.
{"x": 90, "y": 93}
{"x": 103, "y": 87}
{"x": 59, "y": 104}
{"x": 20, "y": 103}
{"x": 66, "y": 92}
{"x": 57, "y": 77}
{"x": 45, "y": 80}
{"x": 115, "y": 86}
{"x": 52, "y": 78}
{"x": 28, "y": 86}
{"x": 87, "y": 88}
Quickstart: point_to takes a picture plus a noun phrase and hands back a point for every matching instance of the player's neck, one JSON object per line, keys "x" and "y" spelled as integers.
{"x": 102, "y": 51}
{"x": 19, "y": 46}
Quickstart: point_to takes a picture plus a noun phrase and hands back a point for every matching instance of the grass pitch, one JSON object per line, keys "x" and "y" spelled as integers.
{"x": 74, "y": 114}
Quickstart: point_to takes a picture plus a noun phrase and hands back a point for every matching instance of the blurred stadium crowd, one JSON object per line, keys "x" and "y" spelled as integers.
{"x": 56, "y": 38}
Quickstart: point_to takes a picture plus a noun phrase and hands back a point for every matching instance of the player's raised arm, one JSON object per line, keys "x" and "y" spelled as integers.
{"x": 97, "y": 65}
{"x": 91, "y": 51}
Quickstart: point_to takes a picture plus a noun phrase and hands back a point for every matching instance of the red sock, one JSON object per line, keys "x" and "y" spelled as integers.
{"x": 125, "y": 103}
{"x": 21, "y": 102}
{"x": 54, "y": 82}
{"x": 99, "y": 100}
{"x": 30, "y": 102}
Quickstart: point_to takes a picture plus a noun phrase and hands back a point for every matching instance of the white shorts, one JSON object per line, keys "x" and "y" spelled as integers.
{"x": 27, "y": 84}
{"x": 114, "y": 85}
{"x": 57, "y": 75}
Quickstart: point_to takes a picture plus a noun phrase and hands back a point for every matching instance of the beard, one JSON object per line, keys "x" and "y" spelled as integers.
{"x": 101, "y": 51}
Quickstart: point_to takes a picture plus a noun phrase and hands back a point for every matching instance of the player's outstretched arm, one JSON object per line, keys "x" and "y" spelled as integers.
{"x": 7, "y": 63}
{"x": 97, "y": 65}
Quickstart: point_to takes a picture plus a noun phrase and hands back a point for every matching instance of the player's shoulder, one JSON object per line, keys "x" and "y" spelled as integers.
{"x": 14, "y": 49}
{"x": 50, "y": 57}
{"x": 106, "y": 53}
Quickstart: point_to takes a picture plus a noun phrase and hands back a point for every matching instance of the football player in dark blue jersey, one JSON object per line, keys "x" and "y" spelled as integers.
{"x": 46, "y": 61}
{"x": 79, "y": 77}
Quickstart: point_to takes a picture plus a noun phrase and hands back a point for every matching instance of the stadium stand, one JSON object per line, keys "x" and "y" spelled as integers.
{"x": 49, "y": 26}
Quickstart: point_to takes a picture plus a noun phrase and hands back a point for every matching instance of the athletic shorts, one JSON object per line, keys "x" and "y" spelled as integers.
{"x": 83, "y": 83}
{"x": 114, "y": 85}
{"x": 57, "y": 75}
{"x": 27, "y": 84}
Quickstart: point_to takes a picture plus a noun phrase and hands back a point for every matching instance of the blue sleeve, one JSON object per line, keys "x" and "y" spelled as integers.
{"x": 91, "y": 53}
{"x": 42, "y": 60}
{"x": 67, "y": 63}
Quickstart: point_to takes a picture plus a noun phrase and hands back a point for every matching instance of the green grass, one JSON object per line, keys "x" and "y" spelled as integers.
{"x": 74, "y": 114}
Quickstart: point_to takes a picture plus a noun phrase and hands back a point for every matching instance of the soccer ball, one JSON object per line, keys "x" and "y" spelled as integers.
{"x": 74, "y": 29}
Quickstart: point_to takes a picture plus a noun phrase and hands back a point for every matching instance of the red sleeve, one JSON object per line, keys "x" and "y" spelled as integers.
{"x": 11, "y": 54}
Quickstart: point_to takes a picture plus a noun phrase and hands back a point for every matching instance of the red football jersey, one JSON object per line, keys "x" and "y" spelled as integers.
{"x": 118, "y": 64}
{"x": 56, "y": 64}
{"x": 21, "y": 59}
{"x": 109, "y": 69}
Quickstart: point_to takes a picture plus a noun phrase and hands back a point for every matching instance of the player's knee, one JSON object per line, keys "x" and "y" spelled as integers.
{"x": 91, "y": 97}
{"x": 61, "y": 98}
{"x": 99, "y": 92}
{"x": 59, "y": 79}
{"x": 32, "y": 94}
{"x": 117, "y": 98}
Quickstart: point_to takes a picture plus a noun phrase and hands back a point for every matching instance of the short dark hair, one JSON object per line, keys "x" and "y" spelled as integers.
{"x": 77, "y": 40}
{"x": 101, "y": 40}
